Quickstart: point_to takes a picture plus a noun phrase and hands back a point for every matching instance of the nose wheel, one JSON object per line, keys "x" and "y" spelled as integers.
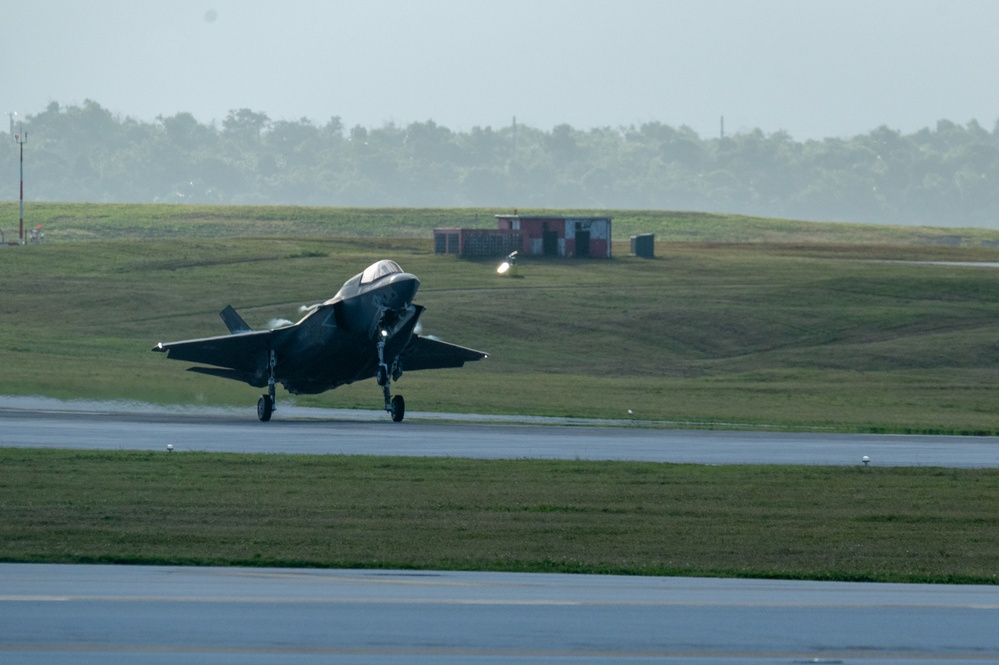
{"x": 396, "y": 406}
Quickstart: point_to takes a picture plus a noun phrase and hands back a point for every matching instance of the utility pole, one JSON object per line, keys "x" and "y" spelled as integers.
{"x": 21, "y": 137}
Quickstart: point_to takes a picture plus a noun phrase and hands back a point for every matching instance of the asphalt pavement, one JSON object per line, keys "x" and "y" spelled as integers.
{"x": 148, "y": 614}
{"x": 137, "y": 614}
{"x": 39, "y": 423}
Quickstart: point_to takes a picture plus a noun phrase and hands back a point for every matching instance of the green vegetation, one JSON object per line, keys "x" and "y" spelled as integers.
{"x": 941, "y": 175}
{"x": 786, "y": 334}
{"x": 118, "y": 221}
{"x": 738, "y": 320}
{"x": 904, "y": 525}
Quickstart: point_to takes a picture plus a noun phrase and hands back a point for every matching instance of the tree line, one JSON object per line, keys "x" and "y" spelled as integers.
{"x": 944, "y": 176}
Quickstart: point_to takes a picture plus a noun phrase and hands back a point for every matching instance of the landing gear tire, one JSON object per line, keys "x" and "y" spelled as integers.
{"x": 398, "y": 408}
{"x": 265, "y": 407}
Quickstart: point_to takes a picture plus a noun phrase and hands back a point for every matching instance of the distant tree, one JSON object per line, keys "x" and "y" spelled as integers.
{"x": 185, "y": 133}
{"x": 245, "y": 126}
{"x": 939, "y": 175}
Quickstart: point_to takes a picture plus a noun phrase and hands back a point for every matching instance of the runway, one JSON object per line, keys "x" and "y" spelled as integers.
{"x": 38, "y": 423}
{"x": 100, "y": 614}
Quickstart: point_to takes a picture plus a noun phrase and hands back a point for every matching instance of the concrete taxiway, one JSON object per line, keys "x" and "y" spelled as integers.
{"x": 100, "y": 614}
{"x": 38, "y": 423}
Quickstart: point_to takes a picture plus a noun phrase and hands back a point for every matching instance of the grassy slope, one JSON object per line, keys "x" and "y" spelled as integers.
{"x": 802, "y": 327}
{"x": 101, "y": 221}
{"x": 188, "y": 508}
{"x": 792, "y": 333}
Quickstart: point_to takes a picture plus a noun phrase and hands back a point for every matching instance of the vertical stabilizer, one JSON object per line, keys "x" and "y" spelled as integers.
{"x": 233, "y": 321}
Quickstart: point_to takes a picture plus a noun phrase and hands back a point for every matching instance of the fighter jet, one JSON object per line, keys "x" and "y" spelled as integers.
{"x": 367, "y": 330}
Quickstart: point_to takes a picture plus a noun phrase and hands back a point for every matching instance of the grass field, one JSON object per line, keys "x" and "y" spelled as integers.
{"x": 789, "y": 333}
{"x": 107, "y": 221}
{"x": 901, "y": 525}
{"x": 767, "y": 323}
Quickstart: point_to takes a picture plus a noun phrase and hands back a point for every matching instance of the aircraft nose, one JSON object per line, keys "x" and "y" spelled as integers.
{"x": 403, "y": 290}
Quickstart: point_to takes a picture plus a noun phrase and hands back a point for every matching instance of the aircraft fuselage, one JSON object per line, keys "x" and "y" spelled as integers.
{"x": 337, "y": 342}
{"x": 367, "y": 330}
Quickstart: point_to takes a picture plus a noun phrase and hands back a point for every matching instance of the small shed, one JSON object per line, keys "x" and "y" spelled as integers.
{"x": 476, "y": 243}
{"x": 644, "y": 245}
{"x": 568, "y": 237}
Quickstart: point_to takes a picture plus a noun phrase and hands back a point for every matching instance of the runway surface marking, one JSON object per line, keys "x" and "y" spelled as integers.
{"x": 789, "y": 656}
{"x": 309, "y": 600}
{"x": 152, "y": 615}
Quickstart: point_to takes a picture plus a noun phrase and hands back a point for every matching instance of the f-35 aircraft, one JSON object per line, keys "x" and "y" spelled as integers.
{"x": 367, "y": 330}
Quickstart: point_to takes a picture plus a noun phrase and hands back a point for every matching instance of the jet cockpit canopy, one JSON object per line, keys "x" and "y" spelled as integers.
{"x": 378, "y": 270}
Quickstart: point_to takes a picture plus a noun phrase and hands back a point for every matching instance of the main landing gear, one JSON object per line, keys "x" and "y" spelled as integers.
{"x": 266, "y": 404}
{"x": 396, "y": 406}
{"x": 265, "y": 407}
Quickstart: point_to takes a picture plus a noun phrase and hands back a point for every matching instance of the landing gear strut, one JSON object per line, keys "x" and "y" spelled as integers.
{"x": 396, "y": 406}
{"x": 266, "y": 405}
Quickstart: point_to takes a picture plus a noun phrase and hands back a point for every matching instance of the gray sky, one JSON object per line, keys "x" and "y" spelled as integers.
{"x": 812, "y": 68}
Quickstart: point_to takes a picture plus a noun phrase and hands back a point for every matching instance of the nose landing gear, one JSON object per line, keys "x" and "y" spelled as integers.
{"x": 395, "y": 406}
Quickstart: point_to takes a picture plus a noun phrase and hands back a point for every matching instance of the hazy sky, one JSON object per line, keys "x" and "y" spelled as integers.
{"x": 812, "y": 68}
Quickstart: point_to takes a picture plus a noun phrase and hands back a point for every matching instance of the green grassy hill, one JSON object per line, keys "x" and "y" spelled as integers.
{"x": 737, "y": 320}
{"x": 105, "y": 221}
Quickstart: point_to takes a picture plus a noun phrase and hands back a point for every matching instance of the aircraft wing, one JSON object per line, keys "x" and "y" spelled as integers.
{"x": 427, "y": 353}
{"x": 244, "y": 352}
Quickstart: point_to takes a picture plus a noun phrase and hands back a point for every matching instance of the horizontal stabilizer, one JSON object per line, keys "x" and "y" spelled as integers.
{"x": 233, "y": 321}
{"x": 426, "y": 353}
